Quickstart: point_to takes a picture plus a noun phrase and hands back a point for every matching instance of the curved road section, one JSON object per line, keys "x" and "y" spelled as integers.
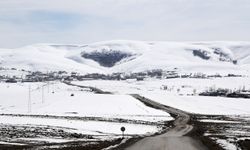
{"x": 174, "y": 138}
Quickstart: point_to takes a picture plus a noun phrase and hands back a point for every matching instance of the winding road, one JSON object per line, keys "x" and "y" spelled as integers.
{"x": 173, "y": 139}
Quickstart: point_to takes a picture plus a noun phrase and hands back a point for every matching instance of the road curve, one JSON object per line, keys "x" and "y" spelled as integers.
{"x": 174, "y": 138}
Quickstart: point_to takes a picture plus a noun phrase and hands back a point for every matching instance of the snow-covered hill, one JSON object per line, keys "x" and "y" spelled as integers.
{"x": 131, "y": 56}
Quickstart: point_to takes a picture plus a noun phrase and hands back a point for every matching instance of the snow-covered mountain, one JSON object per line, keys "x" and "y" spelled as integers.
{"x": 131, "y": 56}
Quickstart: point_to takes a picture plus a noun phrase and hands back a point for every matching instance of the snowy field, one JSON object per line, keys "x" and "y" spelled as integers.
{"x": 231, "y": 132}
{"x": 179, "y": 93}
{"x": 103, "y": 128}
{"x": 177, "y": 86}
{"x": 56, "y": 99}
{"x": 68, "y": 113}
{"x": 204, "y": 104}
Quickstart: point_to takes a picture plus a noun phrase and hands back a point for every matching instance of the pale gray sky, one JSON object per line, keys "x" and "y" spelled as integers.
{"x": 25, "y": 22}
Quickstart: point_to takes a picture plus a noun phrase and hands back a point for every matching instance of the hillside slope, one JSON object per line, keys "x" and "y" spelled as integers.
{"x": 132, "y": 56}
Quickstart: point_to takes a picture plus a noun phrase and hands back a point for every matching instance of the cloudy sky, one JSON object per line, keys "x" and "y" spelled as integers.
{"x": 24, "y": 22}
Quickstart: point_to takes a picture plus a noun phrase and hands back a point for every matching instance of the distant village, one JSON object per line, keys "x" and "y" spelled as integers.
{"x": 38, "y": 76}
{"x": 67, "y": 77}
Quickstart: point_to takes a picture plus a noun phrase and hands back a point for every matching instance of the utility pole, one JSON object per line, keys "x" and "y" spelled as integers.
{"x": 53, "y": 87}
{"x": 48, "y": 86}
{"x": 42, "y": 93}
{"x": 29, "y": 100}
{"x": 48, "y": 80}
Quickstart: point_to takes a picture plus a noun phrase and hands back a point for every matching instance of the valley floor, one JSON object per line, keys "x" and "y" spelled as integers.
{"x": 54, "y": 113}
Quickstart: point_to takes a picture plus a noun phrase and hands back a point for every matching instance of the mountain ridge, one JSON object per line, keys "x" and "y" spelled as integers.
{"x": 131, "y": 56}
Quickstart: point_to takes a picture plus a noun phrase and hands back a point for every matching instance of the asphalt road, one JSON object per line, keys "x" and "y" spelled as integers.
{"x": 173, "y": 139}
